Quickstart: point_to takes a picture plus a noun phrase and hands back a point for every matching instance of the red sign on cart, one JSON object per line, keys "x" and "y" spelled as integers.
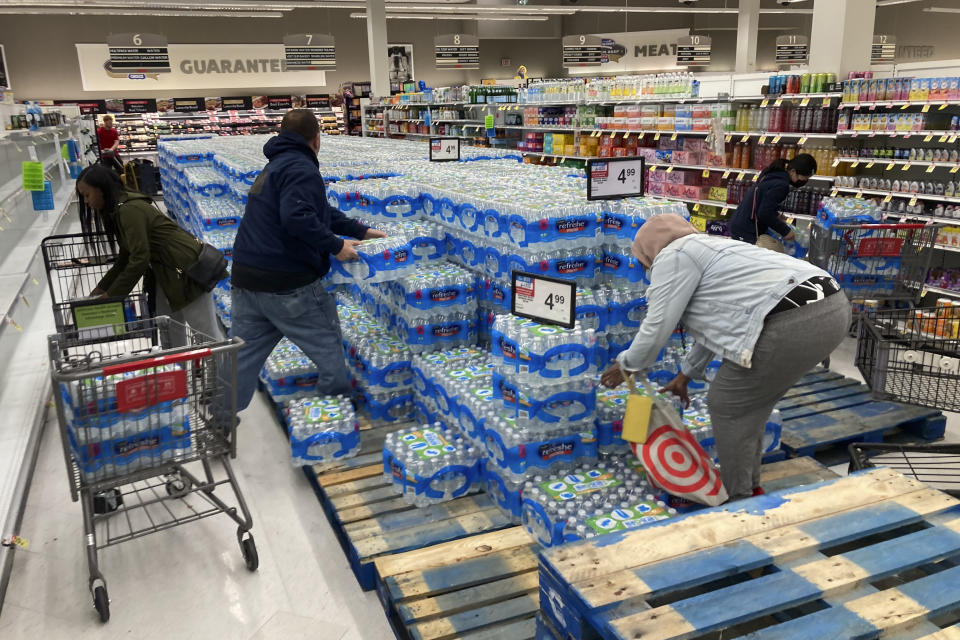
{"x": 141, "y": 392}
{"x": 880, "y": 247}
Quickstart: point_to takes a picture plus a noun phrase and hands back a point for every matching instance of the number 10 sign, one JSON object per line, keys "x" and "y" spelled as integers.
{"x": 546, "y": 300}
{"x": 611, "y": 178}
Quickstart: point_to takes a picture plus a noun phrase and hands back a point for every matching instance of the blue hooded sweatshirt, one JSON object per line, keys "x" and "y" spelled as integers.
{"x": 289, "y": 229}
{"x": 760, "y": 208}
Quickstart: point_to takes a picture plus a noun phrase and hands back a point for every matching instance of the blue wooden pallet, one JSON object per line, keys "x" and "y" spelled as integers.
{"x": 860, "y": 556}
{"x": 486, "y": 585}
{"x": 826, "y": 409}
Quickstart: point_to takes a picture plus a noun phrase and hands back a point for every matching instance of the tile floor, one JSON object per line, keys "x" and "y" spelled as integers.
{"x": 190, "y": 582}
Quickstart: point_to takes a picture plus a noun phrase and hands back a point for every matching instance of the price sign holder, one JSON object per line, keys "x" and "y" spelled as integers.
{"x": 444, "y": 149}
{"x": 546, "y": 300}
{"x": 615, "y": 178}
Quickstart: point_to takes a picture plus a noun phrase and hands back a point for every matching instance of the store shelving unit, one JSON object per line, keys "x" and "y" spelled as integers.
{"x": 355, "y": 96}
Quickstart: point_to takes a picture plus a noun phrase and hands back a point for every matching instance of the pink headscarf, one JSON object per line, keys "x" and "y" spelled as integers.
{"x": 656, "y": 233}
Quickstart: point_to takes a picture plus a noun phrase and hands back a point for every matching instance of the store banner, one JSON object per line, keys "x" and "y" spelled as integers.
{"x": 318, "y": 101}
{"x": 278, "y": 103}
{"x": 86, "y": 107}
{"x": 198, "y": 66}
{"x": 138, "y": 105}
{"x": 637, "y": 51}
{"x": 189, "y": 105}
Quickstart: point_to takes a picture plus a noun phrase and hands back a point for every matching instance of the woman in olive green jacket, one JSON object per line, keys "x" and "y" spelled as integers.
{"x": 148, "y": 241}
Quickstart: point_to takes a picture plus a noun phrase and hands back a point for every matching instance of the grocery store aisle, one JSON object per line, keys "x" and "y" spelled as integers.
{"x": 190, "y": 581}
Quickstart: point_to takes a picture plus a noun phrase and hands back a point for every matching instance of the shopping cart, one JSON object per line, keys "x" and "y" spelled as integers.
{"x": 937, "y": 465}
{"x": 913, "y": 355}
{"x": 875, "y": 261}
{"x": 141, "y": 429}
{"x": 75, "y": 264}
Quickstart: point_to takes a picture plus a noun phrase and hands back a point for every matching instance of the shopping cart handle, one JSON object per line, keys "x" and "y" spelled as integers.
{"x": 911, "y": 225}
{"x": 159, "y": 361}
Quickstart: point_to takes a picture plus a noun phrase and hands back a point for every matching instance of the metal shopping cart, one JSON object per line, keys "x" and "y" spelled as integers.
{"x": 937, "y": 465}
{"x": 142, "y": 430}
{"x": 75, "y": 264}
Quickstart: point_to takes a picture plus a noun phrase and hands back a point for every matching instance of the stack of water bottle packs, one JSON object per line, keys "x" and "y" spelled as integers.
{"x": 107, "y": 442}
{"x": 430, "y": 464}
{"x": 322, "y": 429}
{"x": 288, "y": 372}
{"x": 434, "y": 376}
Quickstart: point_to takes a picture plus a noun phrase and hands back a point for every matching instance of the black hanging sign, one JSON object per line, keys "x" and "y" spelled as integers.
{"x": 584, "y": 51}
{"x": 792, "y": 49}
{"x": 884, "y": 49}
{"x": 318, "y": 101}
{"x": 138, "y": 53}
{"x": 189, "y": 105}
{"x": 279, "y": 103}
{"x": 310, "y": 51}
{"x": 457, "y": 51}
{"x": 694, "y": 51}
{"x": 139, "y": 105}
{"x": 236, "y": 103}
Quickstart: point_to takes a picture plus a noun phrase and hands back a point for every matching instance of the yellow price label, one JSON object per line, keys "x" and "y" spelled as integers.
{"x": 833, "y": 194}
{"x": 913, "y": 201}
{"x": 706, "y": 173}
{"x": 776, "y": 139}
{"x": 724, "y": 211}
{"x": 854, "y": 164}
{"x": 953, "y": 138}
{"x": 802, "y": 140}
{"x": 826, "y": 102}
{"x": 858, "y": 194}
{"x": 954, "y": 169}
{"x": 745, "y": 137}
{"x": 905, "y": 167}
{"x": 942, "y": 106}
{"x": 943, "y": 138}
{"x": 889, "y": 166}
{"x": 626, "y": 136}
{"x": 903, "y": 107}
{"x": 805, "y": 102}
{"x": 888, "y": 198}
{"x": 755, "y": 176}
{"x": 656, "y": 136}
{"x": 563, "y": 158}
{"x": 669, "y": 169}
{"x": 741, "y": 175}
{"x": 652, "y": 168}
{"x": 762, "y": 139}
{"x": 727, "y": 138}
{"x": 543, "y": 158}
{"x": 928, "y": 137}
{"x": 726, "y": 174}
{"x": 696, "y": 207}
{"x": 870, "y": 164}
{"x": 926, "y": 108}
{"x": 778, "y": 102}
{"x": 764, "y": 103}
{"x": 930, "y": 169}
{"x": 674, "y": 136}
{"x": 836, "y": 162}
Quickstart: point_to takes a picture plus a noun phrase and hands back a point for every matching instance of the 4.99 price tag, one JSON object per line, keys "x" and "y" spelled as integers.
{"x": 546, "y": 300}
{"x": 612, "y": 178}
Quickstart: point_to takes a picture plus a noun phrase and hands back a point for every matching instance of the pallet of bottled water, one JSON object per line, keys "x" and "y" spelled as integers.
{"x": 108, "y": 443}
{"x": 451, "y": 385}
{"x": 322, "y": 429}
{"x": 428, "y": 369}
{"x": 288, "y": 372}
{"x": 430, "y": 464}
{"x": 588, "y": 500}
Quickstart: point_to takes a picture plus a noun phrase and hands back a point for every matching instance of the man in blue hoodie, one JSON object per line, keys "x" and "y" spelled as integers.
{"x": 282, "y": 249}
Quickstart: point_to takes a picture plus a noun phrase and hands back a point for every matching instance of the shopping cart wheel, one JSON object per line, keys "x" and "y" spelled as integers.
{"x": 102, "y": 603}
{"x": 177, "y": 486}
{"x": 249, "y": 550}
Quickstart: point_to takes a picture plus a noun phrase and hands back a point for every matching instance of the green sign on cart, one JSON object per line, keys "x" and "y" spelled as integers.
{"x": 33, "y": 179}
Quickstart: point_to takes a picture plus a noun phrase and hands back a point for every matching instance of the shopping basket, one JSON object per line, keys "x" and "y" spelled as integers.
{"x": 75, "y": 264}
{"x": 912, "y": 355}
{"x": 141, "y": 428}
{"x": 937, "y": 465}
{"x": 875, "y": 261}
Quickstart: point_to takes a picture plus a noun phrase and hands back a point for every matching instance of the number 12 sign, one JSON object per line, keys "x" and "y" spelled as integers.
{"x": 546, "y": 300}
{"x": 612, "y": 178}
{"x": 444, "y": 149}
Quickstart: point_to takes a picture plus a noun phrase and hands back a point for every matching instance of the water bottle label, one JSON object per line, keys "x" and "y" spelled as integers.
{"x": 626, "y": 518}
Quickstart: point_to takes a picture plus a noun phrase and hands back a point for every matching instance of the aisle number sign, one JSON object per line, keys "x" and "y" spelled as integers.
{"x": 310, "y": 52}
{"x": 546, "y": 300}
{"x": 444, "y": 149}
{"x": 612, "y": 178}
{"x": 792, "y": 50}
{"x": 138, "y": 53}
{"x": 457, "y": 51}
{"x": 694, "y": 51}
{"x": 584, "y": 51}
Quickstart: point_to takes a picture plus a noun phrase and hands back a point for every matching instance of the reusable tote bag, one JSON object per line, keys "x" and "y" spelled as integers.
{"x": 674, "y": 460}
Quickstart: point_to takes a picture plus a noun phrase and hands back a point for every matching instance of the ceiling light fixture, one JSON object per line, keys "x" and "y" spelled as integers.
{"x": 461, "y": 16}
{"x": 78, "y": 11}
{"x": 941, "y": 10}
{"x": 889, "y": 3}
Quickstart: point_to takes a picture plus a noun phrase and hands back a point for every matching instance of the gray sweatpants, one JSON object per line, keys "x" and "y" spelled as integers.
{"x": 741, "y": 400}
{"x": 200, "y": 315}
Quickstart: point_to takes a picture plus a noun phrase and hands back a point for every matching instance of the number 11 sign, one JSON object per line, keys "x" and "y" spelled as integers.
{"x": 611, "y": 178}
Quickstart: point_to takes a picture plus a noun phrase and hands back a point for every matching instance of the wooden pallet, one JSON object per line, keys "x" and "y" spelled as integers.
{"x": 866, "y": 555}
{"x": 826, "y": 409}
{"x": 486, "y": 585}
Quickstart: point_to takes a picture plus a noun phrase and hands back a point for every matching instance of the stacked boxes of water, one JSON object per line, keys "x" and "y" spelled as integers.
{"x": 322, "y": 429}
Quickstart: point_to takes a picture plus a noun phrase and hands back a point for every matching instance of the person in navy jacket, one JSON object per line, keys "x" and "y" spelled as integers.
{"x": 760, "y": 208}
{"x": 283, "y": 248}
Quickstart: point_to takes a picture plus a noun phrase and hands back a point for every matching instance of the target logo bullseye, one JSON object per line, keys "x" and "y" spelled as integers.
{"x": 677, "y": 464}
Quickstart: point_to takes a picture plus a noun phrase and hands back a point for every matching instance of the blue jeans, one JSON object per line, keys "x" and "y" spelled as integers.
{"x": 307, "y": 316}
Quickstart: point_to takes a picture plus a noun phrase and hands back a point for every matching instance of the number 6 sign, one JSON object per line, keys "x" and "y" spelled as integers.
{"x": 612, "y": 178}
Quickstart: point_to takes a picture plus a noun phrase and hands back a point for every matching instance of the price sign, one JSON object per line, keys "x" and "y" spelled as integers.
{"x": 138, "y": 53}
{"x": 884, "y": 49}
{"x": 546, "y": 300}
{"x": 445, "y": 149}
{"x": 584, "y": 51}
{"x": 694, "y": 51}
{"x": 309, "y": 52}
{"x": 792, "y": 49}
{"x": 613, "y": 178}
{"x": 236, "y": 103}
{"x": 189, "y": 105}
{"x": 457, "y": 51}
{"x": 139, "y": 105}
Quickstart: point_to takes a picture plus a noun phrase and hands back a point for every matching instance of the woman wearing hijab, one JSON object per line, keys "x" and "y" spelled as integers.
{"x": 770, "y": 317}
{"x": 760, "y": 208}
